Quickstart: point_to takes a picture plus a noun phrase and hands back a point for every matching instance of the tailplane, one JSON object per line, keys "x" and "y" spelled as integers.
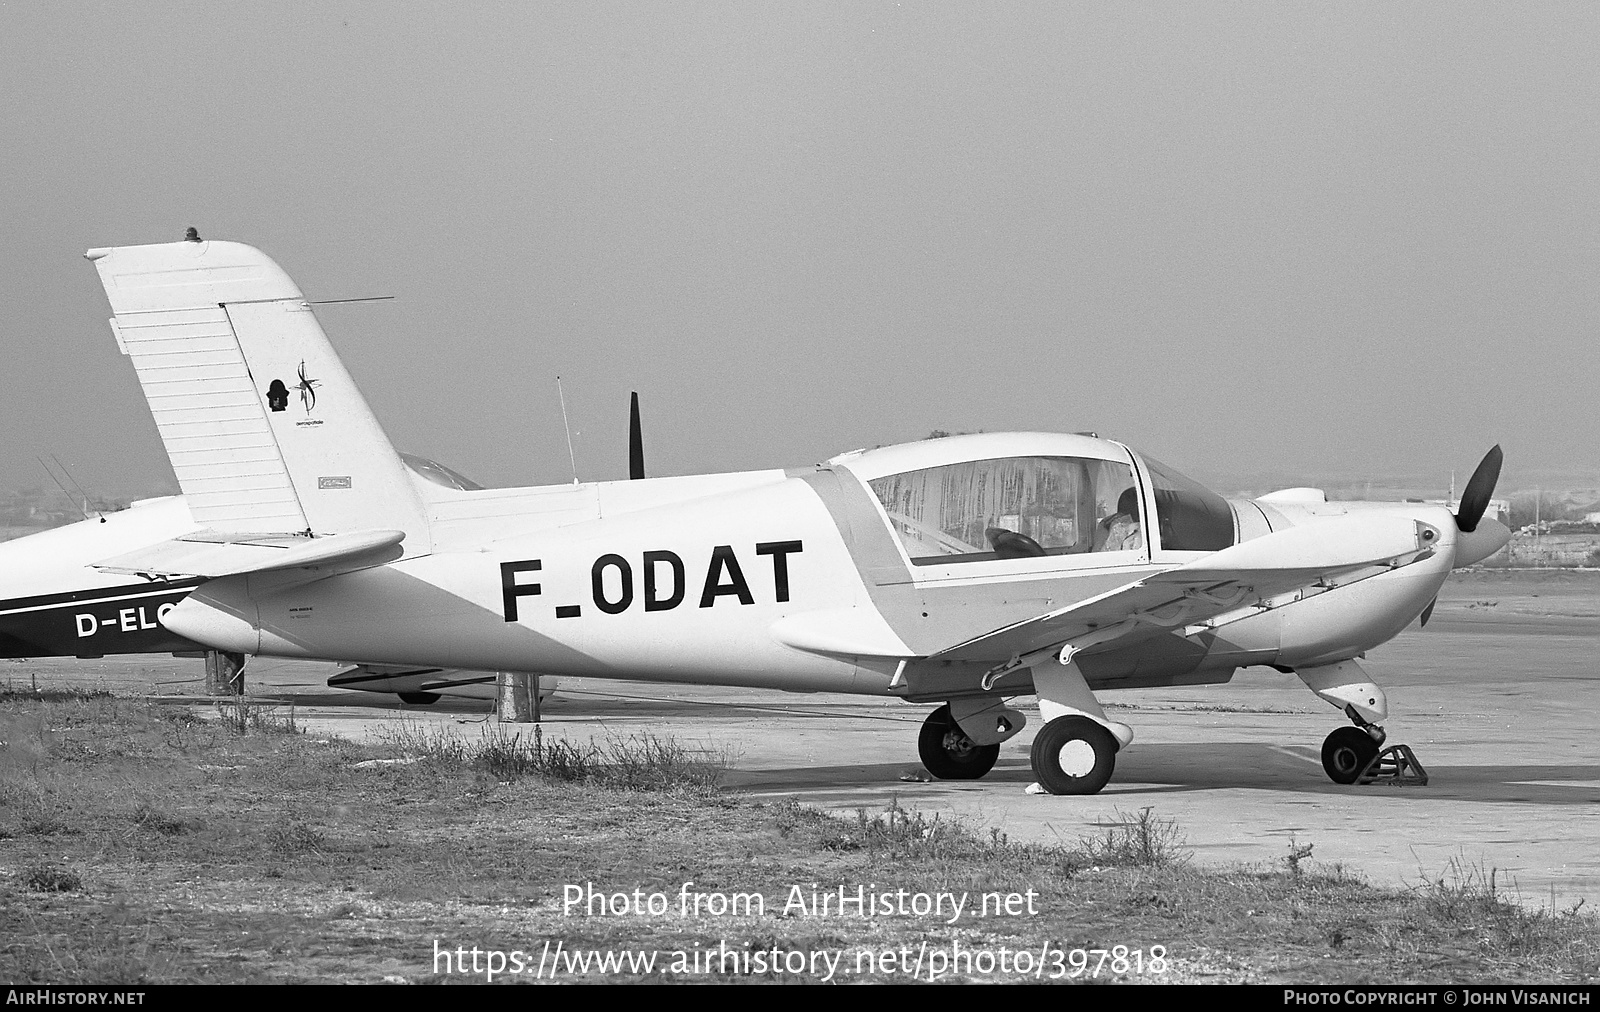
{"x": 266, "y": 431}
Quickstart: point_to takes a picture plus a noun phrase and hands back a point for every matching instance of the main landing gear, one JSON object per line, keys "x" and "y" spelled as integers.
{"x": 949, "y": 753}
{"x": 1074, "y": 753}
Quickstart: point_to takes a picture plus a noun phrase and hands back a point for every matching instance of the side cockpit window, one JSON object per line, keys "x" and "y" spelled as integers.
{"x": 1192, "y": 517}
{"x": 1012, "y": 508}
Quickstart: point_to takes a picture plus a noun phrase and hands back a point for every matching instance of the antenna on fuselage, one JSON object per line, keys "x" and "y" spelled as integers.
{"x": 573, "y": 457}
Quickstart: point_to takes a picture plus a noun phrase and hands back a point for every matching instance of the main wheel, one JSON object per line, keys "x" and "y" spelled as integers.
{"x": 418, "y": 698}
{"x": 948, "y": 753}
{"x": 1074, "y": 755}
{"x": 1346, "y": 752}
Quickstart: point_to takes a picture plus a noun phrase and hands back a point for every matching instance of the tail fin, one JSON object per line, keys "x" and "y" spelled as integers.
{"x": 265, "y": 430}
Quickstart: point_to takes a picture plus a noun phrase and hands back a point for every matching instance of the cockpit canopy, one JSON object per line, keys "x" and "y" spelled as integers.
{"x": 1022, "y": 495}
{"x": 1008, "y": 507}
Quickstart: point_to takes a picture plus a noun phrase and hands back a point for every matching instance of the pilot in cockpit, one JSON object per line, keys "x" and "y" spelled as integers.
{"x": 1121, "y": 531}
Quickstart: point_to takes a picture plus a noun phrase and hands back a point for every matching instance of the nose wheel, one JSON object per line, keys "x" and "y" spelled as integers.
{"x": 1346, "y": 752}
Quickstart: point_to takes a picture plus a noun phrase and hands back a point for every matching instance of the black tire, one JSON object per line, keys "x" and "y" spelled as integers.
{"x": 419, "y": 698}
{"x": 948, "y": 753}
{"x": 1091, "y": 748}
{"x": 1346, "y": 752}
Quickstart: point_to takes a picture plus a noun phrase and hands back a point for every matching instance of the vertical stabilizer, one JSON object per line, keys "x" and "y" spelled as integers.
{"x": 265, "y": 430}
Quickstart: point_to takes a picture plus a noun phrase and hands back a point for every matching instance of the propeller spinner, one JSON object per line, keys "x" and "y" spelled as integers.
{"x": 1477, "y": 539}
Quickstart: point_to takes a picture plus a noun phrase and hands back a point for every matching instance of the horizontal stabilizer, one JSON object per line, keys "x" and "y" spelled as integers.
{"x": 210, "y": 554}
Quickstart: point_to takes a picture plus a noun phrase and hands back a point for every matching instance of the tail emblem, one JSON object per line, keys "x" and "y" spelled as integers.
{"x": 307, "y": 388}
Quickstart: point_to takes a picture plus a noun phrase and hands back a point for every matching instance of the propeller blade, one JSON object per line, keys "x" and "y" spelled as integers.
{"x": 635, "y": 440}
{"x": 1427, "y": 612}
{"x": 1475, "y": 498}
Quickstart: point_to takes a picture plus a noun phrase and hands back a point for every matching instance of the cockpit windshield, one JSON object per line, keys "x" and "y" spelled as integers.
{"x": 1011, "y": 508}
{"x": 1192, "y": 518}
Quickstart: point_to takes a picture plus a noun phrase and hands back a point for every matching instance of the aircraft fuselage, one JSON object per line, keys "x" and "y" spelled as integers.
{"x": 792, "y": 581}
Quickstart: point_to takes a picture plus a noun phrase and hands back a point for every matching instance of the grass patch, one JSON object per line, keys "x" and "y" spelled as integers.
{"x": 242, "y": 717}
{"x": 218, "y": 857}
{"x": 1141, "y": 840}
{"x": 639, "y": 762}
{"x": 294, "y": 839}
{"x": 152, "y": 819}
{"x": 32, "y": 693}
{"x": 46, "y": 879}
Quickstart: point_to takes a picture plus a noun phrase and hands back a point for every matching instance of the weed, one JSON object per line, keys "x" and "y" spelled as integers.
{"x": 46, "y": 879}
{"x": 45, "y": 825}
{"x": 243, "y": 717}
{"x": 65, "y": 694}
{"x": 1462, "y": 891}
{"x": 641, "y": 762}
{"x": 183, "y": 716}
{"x": 647, "y": 762}
{"x": 295, "y": 838}
{"x": 899, "y": 832}
{"x": 949, "y": 844}
{"x": 789, "y": 815}
{"x": 1297, "y": 853}
{"x": 1141, "y": 841}
{"x": 156, "y": 821}
{"x": 415, "y": 741}
{"x": 1468, "y": 898}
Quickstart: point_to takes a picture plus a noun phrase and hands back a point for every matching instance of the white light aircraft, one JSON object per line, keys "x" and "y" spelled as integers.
{"x": 961, "y": 572}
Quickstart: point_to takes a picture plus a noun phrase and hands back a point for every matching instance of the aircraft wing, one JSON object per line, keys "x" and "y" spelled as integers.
{"x": 213, "y": 554}
{"x": 1226, "y": 585}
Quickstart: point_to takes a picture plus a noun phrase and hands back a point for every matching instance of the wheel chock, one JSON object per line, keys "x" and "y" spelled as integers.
{"x": 1395, "y": 766}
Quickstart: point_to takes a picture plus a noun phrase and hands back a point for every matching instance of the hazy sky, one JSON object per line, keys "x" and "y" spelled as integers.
{"x": 1322, "y": 240}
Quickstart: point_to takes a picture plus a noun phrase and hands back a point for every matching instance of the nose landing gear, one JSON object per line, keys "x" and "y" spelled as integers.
{"x": 1355, "y": 755}
{"x": 1352, "y": 755}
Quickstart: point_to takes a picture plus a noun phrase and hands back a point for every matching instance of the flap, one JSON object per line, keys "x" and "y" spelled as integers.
{"x": 1313, "y": 558}
{"x": 212, "y": 554}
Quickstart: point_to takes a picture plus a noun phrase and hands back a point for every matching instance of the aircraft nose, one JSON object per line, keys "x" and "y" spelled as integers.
{"x": 1483, "y": 541}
